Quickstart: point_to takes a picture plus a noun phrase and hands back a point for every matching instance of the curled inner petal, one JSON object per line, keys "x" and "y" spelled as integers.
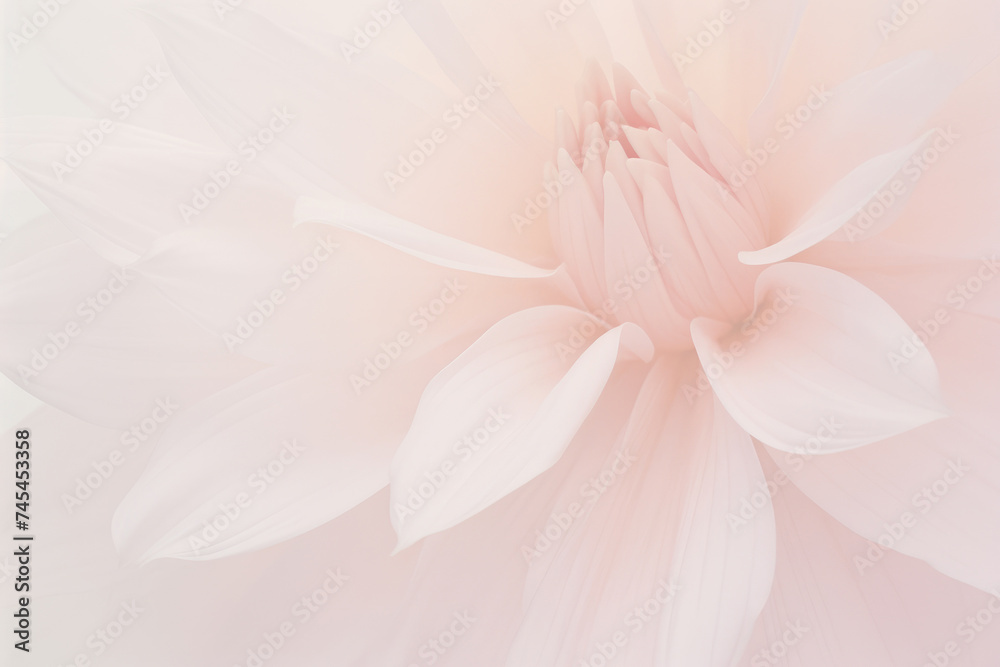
{"x": 649, "y": 230}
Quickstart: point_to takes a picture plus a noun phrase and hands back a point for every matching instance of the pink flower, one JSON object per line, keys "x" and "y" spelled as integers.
{"x": 697, "y": 375}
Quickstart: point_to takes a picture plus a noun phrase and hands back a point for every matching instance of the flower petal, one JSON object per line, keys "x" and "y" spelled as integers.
{"x": 414, "y": 239}
{"x": 352, "y": 127}
{"x": 502, "y": 413}
{"x": 265, "y": 460}
{"x": 97, "y": 340}
{"x": 626, "y": 256}
{"x": 871, "y": 114}
{"x": 831, "y": 605}
{"x": 653, "y": 536}
{"x": 932, "y": 494}
{"x": 813, "y": 368}
{"x": 122, "y": 196}
{"x": 726, "y": 156}
{"x": 578, "y": 232}
{"x": 449, "y": 575}
{"x": 838, "y": 205}
{"x": 719, "y": 227}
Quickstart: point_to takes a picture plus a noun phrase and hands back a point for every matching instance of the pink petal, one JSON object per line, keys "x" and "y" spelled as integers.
{"x": 650, "y": 562}
{"x": 811, "y": 369}
{"x": 98, "y": 340}
{"x": 829, "y": 608}
{"x": 625, "y": 252}
{"x": 523, "y": 382}
{"x": 841, "y": 203}
{"x": 265, "y": 460}
{"x": 413, "y": 239}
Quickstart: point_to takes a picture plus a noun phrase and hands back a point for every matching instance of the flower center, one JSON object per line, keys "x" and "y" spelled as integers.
{"x": 647, "y": 225}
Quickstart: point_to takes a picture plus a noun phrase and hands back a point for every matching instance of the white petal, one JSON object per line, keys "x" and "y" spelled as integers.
{"x": 841, "y": 600}
{"x": 121, "y": 197}
{"x": 941, "y": 481}
{"x": 650, "y": 531}
{"x": 814, "y": 368}
{"x": 260, "y": 463}
{"x": 499, "y": 540}
{"x": 841, "y": 203}
{"x": 95, "y": 339}
{"x": 414, "y": 239}
{"x": 871, "y": 114}
{"x": 625, "y": 254}
{"x": 502, "y": 413}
